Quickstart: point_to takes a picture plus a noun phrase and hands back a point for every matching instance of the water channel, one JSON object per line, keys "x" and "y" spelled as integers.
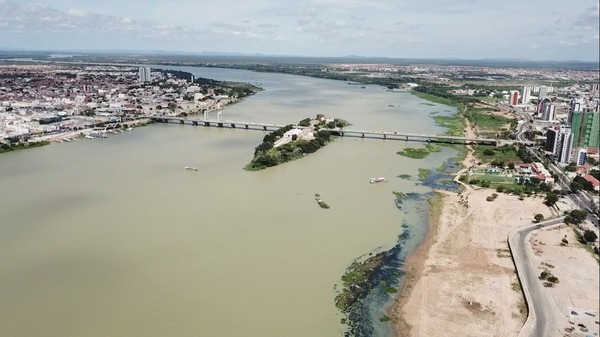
{"x": 112, "y": 237}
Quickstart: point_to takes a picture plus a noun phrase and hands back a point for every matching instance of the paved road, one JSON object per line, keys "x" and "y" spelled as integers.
{"x": 541, "y": 321}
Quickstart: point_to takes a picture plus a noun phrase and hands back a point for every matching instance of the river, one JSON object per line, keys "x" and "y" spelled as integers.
{"x": 112, "y": 237}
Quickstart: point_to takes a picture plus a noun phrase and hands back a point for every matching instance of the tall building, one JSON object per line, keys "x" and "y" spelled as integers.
{"x": 548, "y": 112}
{"x": 540, "y": 108}
{"x": 585, "y": 126}
{"x": 575, "y": 106}
{"x": 513, "y": 97}
{"x": 144, "y": 75}
{"x": 551, "y": 140}
{"x": 543, "y": 92}
{"x": 526, "y": 95}
{"x": 564, "y": 146}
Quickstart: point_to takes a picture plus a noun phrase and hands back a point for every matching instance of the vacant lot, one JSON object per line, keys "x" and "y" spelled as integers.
{"x": 576, "y": 295}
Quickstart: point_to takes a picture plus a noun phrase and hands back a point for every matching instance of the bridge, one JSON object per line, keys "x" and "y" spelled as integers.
{"x": 388, "y": 135}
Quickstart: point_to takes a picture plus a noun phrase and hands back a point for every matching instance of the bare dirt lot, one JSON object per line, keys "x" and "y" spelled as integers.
{"x": 576, "y": 295}
{"x": 465, "y": 284}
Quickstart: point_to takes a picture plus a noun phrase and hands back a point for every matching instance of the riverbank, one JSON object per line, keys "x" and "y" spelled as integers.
{"x": 462, "y": 276}
{"x": 4, "y": 148}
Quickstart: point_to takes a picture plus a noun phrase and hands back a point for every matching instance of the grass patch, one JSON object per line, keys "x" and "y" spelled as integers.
{"x": 455, "y": 124}
{"x": 516, "y": 286}
{"x": 384, "y": 318}
{"x": 435, "y": 99}
{"x": 419, "y": 153}
{"x": 486, "y": 120}
{"x": 424, "y": 173}
{"x": 505, "y": 154}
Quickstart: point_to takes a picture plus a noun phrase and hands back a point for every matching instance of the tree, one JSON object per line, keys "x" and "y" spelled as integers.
{"x": 488, "y": 152}
{"x": 589, "y": 236}
{"x": 578, "y": 216}
{"x": 551, "y": 198}
{"x": 538, "y": 217}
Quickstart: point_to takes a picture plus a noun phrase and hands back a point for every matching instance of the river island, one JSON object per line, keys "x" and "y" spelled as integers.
{"x": 292, "y": 142}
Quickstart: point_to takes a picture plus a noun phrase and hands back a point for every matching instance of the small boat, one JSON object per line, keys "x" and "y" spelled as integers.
{"x": 377, "y": 180}
{"x": 129, "y": 129}
{"x": 189, "y": 168}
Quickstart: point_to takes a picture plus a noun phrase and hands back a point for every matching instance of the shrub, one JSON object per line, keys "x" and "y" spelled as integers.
{"x": 589, "y": 236}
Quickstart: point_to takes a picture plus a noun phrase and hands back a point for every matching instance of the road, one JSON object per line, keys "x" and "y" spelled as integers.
{"x": 541, "y": 320}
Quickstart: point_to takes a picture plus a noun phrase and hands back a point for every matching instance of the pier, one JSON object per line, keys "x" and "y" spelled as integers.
{"x": 372, "y": 134}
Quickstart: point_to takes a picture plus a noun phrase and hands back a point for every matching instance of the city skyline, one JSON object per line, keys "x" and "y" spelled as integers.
{"x": 328, "y": 28}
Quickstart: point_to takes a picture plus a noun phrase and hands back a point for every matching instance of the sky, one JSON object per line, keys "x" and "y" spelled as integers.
{"x": 467, "y": 29}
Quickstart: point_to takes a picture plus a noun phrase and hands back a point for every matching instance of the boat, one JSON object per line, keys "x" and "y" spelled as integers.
{"x": 129, "y": 129}
{"x": 377, "y": 180}
{"x": 189, "y": 168}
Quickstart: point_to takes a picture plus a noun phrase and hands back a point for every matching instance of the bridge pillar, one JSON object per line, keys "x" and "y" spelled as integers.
{"x": 362, "y": 135}
{"x": 384, "y": 136}
{"x": 265, "y": 128}
{"x": 181, "y": 121}
{"x": 246, "y": 126}
{"x": 232, "y": 126}
{"x": 220, "y": 125}
{"x": 406, "y": 138}
{"x": 206, "y": 123}
{"x": 341, "y": 134}
{"x": 195, "y": 123}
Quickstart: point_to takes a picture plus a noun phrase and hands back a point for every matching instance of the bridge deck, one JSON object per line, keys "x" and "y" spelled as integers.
{"x": 398, "y": 135}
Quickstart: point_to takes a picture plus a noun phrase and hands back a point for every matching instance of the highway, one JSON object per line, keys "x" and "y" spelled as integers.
{"x": 541, "y": 319}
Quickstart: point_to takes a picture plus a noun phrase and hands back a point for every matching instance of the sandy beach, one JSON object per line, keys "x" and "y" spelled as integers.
{"x": 462, "y": 282}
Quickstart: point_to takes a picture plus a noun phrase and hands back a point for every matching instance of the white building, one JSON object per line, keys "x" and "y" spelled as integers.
{"x": 144, "y": 75}
{"x": 526, "y": 95}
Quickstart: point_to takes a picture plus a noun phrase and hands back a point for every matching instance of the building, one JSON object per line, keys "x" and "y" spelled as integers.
{"x": 548, "y": 112}
{"x": 551, "y": 140}
{"x": 543, "y": 92}
{"x": 575, "y": 106}
{"x": 564, "y": 145}
{"x": 593, "y": 181}
{"x": 513, "y": 98}
{"x": 541, "y": 104}
{"x": 581, "y": 156}
{"x": 585, "y": 126}
{"x": 144, "y": 75}
{"x": 526, "y": 95}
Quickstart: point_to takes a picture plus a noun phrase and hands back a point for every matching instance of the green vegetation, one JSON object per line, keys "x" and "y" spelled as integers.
{"x": 538, "y": 218}
{"x": 266, "y": 155}
{"x": 419, "y": 153}
{"x": 579, "y": 183}
{"x": 549, "y": 279}
{"x": 575, "y": 217}
{"x": 503, "y": 155}
{"x": 492, "y": 197}
{"x": 516, "y": 286}
{"x": 486, "y": 120}
{"x": 424, "y": 173}
{"x": 455, "y": 124}
{"x": 589, "y": 236}
{"x": 404, "y": 176}
{"x": 384, "y": 318}
{"x": 434, "y": 98}
{"x": 400, "y": 195}
{"x": 21, "y": 146}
